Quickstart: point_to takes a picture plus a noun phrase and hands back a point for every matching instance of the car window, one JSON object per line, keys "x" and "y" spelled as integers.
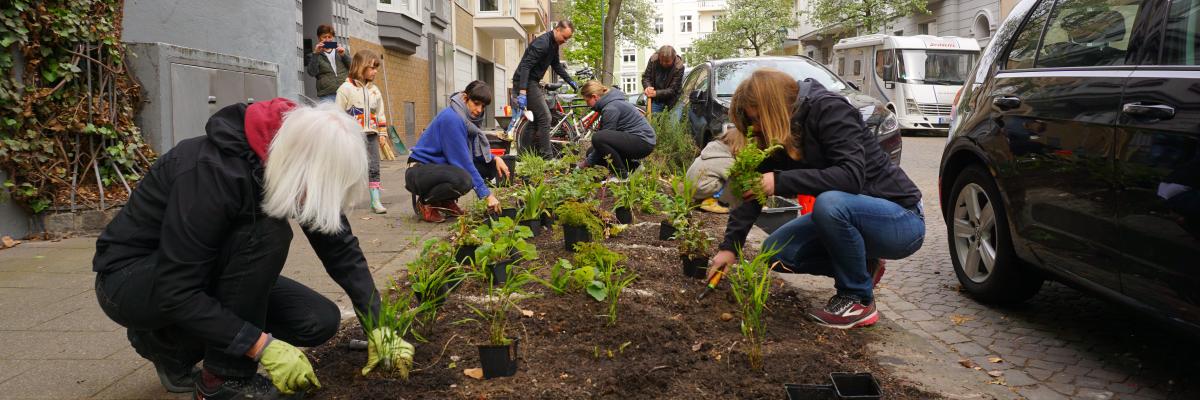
{"x": 730, "y": 74}
{"x": 1088, "y": 33}
{"x": 1183, "y": 34}
{"x": 694, "y": 80}
{"x": 1024, "y": 48}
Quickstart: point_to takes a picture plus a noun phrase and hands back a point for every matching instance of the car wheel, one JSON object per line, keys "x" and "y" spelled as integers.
{"x": 980, "y": 243}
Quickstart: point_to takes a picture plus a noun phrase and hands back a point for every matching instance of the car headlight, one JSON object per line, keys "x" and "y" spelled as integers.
{"x": 888, "y": 126}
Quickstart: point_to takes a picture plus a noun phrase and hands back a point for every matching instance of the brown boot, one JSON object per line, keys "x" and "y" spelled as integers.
{"x": 451, "y": 208}
{"x": 430, "y": 213}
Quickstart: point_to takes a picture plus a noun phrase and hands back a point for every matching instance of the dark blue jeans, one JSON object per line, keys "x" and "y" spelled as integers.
{"x": 841, "y": 233}
{"x": 658, "y": 107}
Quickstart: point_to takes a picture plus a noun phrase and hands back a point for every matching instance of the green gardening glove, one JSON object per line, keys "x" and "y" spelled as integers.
{"x": 385, "y": 347}
{"x": 288, "y": 367}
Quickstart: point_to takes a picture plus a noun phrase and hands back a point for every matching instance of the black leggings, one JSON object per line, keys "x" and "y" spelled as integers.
{"x": 250, "y": 262}
{"x": 437, "y": 183}
{"x": 621, "y": 148}
{"x": 537, "y": 137}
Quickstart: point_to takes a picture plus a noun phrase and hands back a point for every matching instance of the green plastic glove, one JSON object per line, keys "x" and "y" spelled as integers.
{"x": 288, "y": 367}
{"x": 386, "y": 347}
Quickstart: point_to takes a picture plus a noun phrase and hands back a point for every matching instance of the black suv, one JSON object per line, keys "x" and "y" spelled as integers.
{"x": 1074, "y": 154}
{"x": 709, "y": 87}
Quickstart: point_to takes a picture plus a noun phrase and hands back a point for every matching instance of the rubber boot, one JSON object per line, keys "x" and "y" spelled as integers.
{"x": 377, "y": 199}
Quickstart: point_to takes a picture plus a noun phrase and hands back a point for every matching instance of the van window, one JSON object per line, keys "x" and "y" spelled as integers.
{"x": 1183, "y": 34}
{"x": 842, "y": 66}
{"x": 885, "y": 65}
{"x": 857, "y": 67}
{"x": 1088, "y": 33}
{"x": 1024, "y": 47}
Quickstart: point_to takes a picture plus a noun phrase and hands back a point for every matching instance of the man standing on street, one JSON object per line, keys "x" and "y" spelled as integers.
{"x": 541, "y": 53}
{"x": 663, "y": 78}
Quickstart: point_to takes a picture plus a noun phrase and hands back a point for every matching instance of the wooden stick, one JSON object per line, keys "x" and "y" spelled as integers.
{"x": 649, "y": 110}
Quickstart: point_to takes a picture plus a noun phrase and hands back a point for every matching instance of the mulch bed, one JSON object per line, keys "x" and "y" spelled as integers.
{"x": 673, "y": 346}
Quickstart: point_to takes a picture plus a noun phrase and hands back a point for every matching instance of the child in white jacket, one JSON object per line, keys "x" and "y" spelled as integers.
{"x": 359, "y": 97}
{"x": 710, "y": 172}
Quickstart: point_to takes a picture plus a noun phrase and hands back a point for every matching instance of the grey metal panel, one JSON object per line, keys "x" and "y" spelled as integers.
{"x": 190, "y": 109}
{"x": 260, "y": 88}
{"x": 399, "y": 32}
{"x": 229, "y": 87}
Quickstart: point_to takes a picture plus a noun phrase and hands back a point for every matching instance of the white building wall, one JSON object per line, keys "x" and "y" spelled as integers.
{"x": 673, "y": 14}
{"x": 952, "y": 18}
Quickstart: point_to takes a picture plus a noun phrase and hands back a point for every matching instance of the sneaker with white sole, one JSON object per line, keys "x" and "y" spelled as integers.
{"x": 845, "y": 312}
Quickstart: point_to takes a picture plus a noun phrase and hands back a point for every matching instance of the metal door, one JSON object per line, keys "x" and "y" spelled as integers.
{"x": 229, "y": 87}
{"x": 259, "y": 88}
{"x": 190, "y": 104}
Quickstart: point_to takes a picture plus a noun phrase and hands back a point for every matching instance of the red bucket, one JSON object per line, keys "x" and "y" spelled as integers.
{"x": 498, "y": 152}
{"x": 806, "y": 203}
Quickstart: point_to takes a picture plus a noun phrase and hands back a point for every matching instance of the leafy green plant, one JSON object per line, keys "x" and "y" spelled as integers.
{"x": 502, "y": 240}
{"x": 533, "y": 204}
{"x": 431, "y": 275}
{"x": 674, "y": 148}
{"x": 679, "y": 204}
{"x": 560, "y": 277}
{"x": 743, "y": 174}
{"x": 693, "y": 242}
{"x": 498, "y": 300}
{"x": 579, "y": 184}
{"x": 609, "y": 277}
{"x": 395, "y": 320}
{"x": 580, "y": 215}
{"x": 750, "y": 281}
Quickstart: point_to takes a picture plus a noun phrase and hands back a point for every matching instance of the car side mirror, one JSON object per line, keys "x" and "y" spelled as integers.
{"x": 696, "y": 96}
{"x": 853, "y": 85}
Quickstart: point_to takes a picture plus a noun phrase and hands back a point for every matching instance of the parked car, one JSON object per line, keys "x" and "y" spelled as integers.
{"x": 1074, "y": 155}
{"x": 709, "y": 87}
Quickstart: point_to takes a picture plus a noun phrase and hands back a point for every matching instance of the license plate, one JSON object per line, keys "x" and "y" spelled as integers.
{"x": 943, "y": 120}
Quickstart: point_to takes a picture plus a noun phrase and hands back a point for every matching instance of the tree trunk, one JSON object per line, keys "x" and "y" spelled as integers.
{"x": 610, "y": 42}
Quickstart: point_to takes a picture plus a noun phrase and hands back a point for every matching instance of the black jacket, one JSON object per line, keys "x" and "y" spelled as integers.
{"x": 541, "y": 53}
{"x": 667, "y": 83}
{"x": 616, "y": 114}
{"x": 840, "y": 154}
{"x": 194, "y": 196}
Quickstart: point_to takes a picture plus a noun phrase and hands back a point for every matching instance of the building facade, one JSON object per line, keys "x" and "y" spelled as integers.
{"x": 679, "y": 23}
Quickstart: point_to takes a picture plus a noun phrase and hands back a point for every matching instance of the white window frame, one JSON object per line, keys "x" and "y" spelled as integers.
{"x": 685, "y": 24}
{"x": 629, "y": 84}
{"x": 628, "y": 56}
{"x": 716, "y": 19}
{"x": 658, "y": 25}
{"x": 410, "y": 8}
{"x": 479, "y": 7}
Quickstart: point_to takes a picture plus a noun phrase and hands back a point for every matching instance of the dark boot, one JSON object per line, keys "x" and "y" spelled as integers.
{"x": 175, "y": 376}
{"x": 213, "y": 387}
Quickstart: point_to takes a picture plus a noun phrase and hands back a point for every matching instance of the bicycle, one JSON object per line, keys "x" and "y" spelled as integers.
{"x": 567, "y": 125}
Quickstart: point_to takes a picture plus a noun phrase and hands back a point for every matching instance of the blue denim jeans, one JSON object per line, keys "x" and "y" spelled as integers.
{"x": 657, "y": 107}
{"x": 842, "y": 232}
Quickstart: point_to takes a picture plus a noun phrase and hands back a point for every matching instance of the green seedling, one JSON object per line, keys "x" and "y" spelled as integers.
{"x": 430, "y": 277}
{"x": 743, "y": 174}
{"x": 499, "y": 299}
{"x": 396, "y": 317}
{"x": 679, "y": 205}
{"x": 693, "y": 242}
{"x": 750, "y": 281}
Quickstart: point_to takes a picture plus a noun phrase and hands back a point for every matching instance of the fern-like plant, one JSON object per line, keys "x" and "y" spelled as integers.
{"x": 750, "y": 281}
{"x": 743, "y": 174}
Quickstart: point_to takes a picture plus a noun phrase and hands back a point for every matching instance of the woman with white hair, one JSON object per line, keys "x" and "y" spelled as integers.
{"x": 191, "y": 265}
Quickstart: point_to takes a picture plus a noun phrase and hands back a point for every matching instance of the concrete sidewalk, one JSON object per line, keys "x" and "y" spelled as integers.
{"x": 55, "y": 343}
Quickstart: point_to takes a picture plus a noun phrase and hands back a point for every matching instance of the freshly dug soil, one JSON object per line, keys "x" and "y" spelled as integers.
{"x": 665, "y": 344}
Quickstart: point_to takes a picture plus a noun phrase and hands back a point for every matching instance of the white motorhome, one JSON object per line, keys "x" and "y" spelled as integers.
{"x": 916, "y": 76}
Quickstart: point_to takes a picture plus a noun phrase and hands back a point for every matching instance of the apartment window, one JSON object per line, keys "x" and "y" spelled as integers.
{"x": 685, "y": 23}
{"x": 658, "y": 25}
{"x": 408, "y": 7}
{"x": 925, "y": 28}
{"x": 717, "y": 21}
{"x": 628, "y": 56}
{"x": 489, "y": 5}
{"x": 629, "y": 84}
{"x": 898, "y": 33}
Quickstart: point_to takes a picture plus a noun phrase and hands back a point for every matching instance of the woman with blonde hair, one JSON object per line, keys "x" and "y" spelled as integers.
{"x": 624, "y": 136}
{"x": 360, "y": 97}
{"x": 866, "y": 207}
{"x": 191, "y": 265}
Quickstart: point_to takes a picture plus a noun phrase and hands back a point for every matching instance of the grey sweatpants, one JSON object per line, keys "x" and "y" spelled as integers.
{"x": 373, "y": 157}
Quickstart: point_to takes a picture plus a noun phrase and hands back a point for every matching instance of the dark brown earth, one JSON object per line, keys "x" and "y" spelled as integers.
{"x": 677, "y": 347}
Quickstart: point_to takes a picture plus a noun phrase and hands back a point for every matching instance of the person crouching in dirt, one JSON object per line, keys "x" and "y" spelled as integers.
{"x": 624, "y": 137}
{"x": 866, "y": 207}
{"x": 191, "y": 265}
{"x": 441, "y": 167}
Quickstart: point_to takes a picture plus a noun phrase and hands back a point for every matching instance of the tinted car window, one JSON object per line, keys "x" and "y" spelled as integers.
{"x": 1086, "y": 33}
{"x": 731, "y": 74}
{"x": 1024, "y": 48}
{"x": 1183, "y": 34}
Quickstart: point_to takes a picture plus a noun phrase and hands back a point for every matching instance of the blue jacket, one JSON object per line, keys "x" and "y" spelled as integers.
{"x": 445, "y": 142}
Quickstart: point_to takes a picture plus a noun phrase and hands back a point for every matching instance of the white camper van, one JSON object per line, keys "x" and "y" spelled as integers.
{"x": 916, "y": 76}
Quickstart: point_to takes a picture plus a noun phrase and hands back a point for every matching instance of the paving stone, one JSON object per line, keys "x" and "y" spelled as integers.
{"x": 141, "y": 384}
{"x": 1093, "y": 394}
{"x": 1039, "y": 392}
{"x": 986, "y": 364}
{"x": 1063, "y": 388}
{"x": 1047, "y": 365}
{"x": 951, "y": 337}
{"x": 1062, "y": 377}
{"x": 66, "y": 379}
{"x": 1108, "y": 375}
{"x": 933, "y": 326}
{"x": 1062, "y": 351}
{"x": 916, "y": 315}
{"x": 1038, "y": 373}
{"x": 1016, "y": 378}
{"x": 970, "y": 349}
{"x": 1089, "y": 382}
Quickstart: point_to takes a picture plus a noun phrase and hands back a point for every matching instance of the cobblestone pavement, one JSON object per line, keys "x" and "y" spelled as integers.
{"x": 1063, "y": 343}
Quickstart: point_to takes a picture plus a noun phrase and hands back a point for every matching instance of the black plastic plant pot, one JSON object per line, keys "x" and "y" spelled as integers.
{"x": 534, "y": 225}
{"x": 547, "y": 221}
{"x": 499, "y": 361}
{"x": 666, "y": 231}
{"x": 694, "y": 267}
{"x": 509, "y": 212}
{"x": 500, "y": 272}
{"x": 465, "y": 253}
{"x": 575, "y": 234}
{"x": 860, "y": 385}
{"x": 779, "y": 211}
{"x": 624, "y": 215}
{"x": 809, "y": 392}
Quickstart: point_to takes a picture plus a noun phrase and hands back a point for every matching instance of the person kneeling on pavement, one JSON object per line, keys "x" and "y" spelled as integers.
{"x": 866, "y": 207}
{"x": 489, "y": 166}
{"x": 441, "y": 167}
{"x": 624, "y": 135}
{"x": 191, "y": 265}
{"x": 710, "y": 173}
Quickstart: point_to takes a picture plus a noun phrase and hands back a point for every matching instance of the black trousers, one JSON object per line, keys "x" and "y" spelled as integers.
{"x": 246, "y": 282}
{"x": 620, "y": 148}
{"x": 539, "y": 140}
{"x": 437, "y": 183}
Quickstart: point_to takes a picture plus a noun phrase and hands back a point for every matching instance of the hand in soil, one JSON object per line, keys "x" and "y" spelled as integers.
{"x": 386, "y": 348}
{"x": 720, "y": 262}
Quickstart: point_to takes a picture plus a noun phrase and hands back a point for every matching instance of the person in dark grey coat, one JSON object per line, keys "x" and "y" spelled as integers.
{"x": 624, "y": 137}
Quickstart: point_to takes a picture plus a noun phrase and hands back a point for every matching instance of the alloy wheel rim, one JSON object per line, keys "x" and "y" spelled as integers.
{"x": 974, "y": 229}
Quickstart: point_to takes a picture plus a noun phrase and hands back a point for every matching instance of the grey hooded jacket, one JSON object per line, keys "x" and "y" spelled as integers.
{"x": 618, "y": 115}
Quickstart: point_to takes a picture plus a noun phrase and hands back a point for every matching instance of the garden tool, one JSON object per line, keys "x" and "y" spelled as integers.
{"x": 712, "y": 285}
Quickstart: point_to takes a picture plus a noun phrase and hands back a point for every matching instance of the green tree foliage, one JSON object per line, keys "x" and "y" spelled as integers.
{"x": 752, "y": 27}
{"x": 868, "y": 15}
{"x": 635, "y": 28}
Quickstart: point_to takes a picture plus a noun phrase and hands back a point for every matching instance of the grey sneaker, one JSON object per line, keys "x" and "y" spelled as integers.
{"x": 255, "y": 387}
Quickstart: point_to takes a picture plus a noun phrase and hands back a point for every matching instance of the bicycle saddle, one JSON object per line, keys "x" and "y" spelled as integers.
{"x": 567, "y": 98}
{"x": 553, "y": 86}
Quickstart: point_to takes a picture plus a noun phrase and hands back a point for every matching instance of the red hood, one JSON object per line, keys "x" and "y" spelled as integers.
{"x": 262, "y": 123}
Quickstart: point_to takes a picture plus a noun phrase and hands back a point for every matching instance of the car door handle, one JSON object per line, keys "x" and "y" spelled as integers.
{"x": 1006, "y": 103}
{"x": 1156, "y": 111}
